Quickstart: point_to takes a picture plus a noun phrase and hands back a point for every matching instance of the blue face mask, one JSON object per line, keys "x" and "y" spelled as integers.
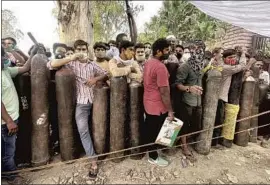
{"x": 5, "y": 63}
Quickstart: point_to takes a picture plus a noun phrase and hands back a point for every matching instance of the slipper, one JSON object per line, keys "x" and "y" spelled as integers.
{"x": 93, "y": 173}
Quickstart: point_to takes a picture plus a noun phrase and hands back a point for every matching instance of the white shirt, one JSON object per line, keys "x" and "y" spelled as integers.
{"x": 264, "y": 76}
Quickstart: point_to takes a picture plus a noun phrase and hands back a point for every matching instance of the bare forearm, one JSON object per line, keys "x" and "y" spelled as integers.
{"x": 60, "y": 62}
{"x": 26, "y": 67}
{"x": 101, "y": 78}
{"x": 181, "y": 87}
{"x": 23, "y": 55}
{"x": 166, "y": 99}
{"x": 4, "y": 114}
{"x": 135, "y": 76}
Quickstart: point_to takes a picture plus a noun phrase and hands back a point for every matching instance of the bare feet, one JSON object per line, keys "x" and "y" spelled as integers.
{"x": 189, "y": 155}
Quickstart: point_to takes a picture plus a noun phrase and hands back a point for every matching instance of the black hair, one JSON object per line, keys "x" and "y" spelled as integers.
{"x": 35, "y": 51}
{"x": 80, "y": 43}
{"x": 139, "y": 45}
{"x": 12, "y": 39}
{"x": 125, "y": 44}
{"x": 112, "y": 42}
{"x": 160, "y": 45}
{"x": 208, "y": 55}
{"x": 70, "y": 48}
{"x": 199, "y": 43}
{"x": 56, "y": 45}
{"x": 180, "y": 46}
{"x": 216, "y": 50}
{"x": 148, "y": 43}
{"x": 229, "y": 52}
{"x": 119, "y": 38}
{"x": 100, "y": 45}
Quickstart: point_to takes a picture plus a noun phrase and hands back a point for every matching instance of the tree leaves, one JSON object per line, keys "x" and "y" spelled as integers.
{"x": 110, "y": 19}
{"x": 183, "y": 20}
{"x": 9, "y": 25}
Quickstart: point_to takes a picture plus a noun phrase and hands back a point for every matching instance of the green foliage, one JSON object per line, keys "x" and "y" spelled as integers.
{"x": 9, "y": 25}
{"x": 183, "y": 20}
{"x": 110, "y": 18}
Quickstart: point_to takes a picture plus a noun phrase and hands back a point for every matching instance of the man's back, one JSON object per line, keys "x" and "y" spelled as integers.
{"x": 155, "y": 76}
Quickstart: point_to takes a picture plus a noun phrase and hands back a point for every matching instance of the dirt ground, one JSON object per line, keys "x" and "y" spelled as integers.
{"x": 249, "y": 164}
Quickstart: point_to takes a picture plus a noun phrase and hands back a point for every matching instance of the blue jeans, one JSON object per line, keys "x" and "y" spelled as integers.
{"x": 8, "y": 149}
{"x": 82, "y": 120}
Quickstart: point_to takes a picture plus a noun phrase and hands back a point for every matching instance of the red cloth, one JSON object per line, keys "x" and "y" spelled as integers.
{"x": 155, "y": 75}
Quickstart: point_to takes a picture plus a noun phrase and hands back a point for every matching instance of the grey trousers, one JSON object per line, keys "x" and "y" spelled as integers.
{"x": 82, "y": 121}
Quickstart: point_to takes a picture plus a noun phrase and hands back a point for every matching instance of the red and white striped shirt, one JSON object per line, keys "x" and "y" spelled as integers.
{"x": 83, "y": 72}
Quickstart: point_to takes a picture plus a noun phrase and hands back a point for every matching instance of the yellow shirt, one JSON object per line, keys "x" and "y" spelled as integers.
{"x": 9, "y": 94}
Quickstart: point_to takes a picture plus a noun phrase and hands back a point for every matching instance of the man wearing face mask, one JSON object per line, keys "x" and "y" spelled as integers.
{"x": 59, "y": 51}
{"x": 87, "y": 74}
{"x": 179, "y": 50}
{"x": 156, "y": 98}
{"x": 228, "y": 61}
{"x": 113, "y": 51}
{"x": 140, "y": 55}
{"x": 148, "y": 50}
{"x": 100, "y": 54}
{"x": 10, "y": 111}
{"x": 186, "y": 55}
{"x": 100, "y": 49}
{"x": 189, "y": 81}
{"x": 124, "y": 64}
{"x": 17, "y": 57}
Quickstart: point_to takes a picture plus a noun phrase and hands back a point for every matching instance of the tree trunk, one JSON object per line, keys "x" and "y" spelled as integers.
{"x": 75, "y": 21}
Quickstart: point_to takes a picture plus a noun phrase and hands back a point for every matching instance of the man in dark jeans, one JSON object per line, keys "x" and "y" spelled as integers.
{"x": 189, "y": 81}
{"x": 156, "y": 98}
{"x": 9, "y": 112}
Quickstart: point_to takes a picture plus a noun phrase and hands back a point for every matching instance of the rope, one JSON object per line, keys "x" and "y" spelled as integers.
{"x": 132, "y": 148}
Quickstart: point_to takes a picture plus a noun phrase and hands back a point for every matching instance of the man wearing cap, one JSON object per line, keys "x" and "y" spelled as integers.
{"x": 172, "y": 57}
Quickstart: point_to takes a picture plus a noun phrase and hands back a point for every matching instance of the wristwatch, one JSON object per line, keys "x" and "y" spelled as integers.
{"x": 188, "y": 89}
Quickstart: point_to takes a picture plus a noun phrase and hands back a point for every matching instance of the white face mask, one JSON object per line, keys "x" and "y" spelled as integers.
{"x": 185, "y": 57}
{"x": 147, "y": 51}
{"x": 140, "y": 58}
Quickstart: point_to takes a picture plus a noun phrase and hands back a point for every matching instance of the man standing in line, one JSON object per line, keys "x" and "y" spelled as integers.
{"x": 172, "y": 56}
{"x": 148, "y": 51}
{"x": 157, "y": 102}
{"x": 189, "y": 81}
{"x": 124, "y": 64}
{"x": 140, "y": 55}
{"x": 9, "y": 112}
{"x": 87, "y": 75}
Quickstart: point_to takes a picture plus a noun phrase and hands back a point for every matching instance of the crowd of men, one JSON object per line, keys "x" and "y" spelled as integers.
{"x": 140, "y": 63}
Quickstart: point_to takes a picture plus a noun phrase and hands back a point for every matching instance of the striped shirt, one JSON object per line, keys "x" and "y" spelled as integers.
{"x": 83, "y": 72}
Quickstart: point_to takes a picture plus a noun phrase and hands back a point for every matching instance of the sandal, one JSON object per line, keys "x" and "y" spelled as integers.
{"x": 93, "y": 173}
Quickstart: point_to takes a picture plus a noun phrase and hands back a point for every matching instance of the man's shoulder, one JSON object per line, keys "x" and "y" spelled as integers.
{"x": 265, "y": 73}
{"x": 184, "y": 66}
